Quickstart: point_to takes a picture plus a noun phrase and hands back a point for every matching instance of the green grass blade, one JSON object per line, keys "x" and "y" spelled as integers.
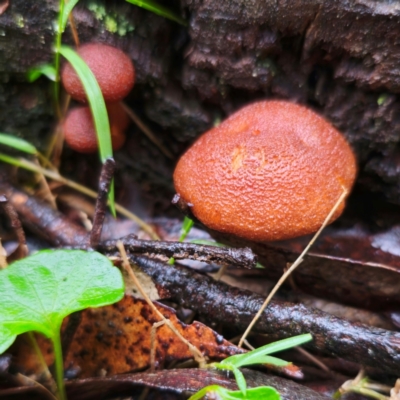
{"x": 68, "y": 7}
{"x": 47, "y": 70}
{"x": 17, "y": 143}
{"x": 252, "y": 357}
{"x": 97, "y": 107}
{"x": 159, "y": 10}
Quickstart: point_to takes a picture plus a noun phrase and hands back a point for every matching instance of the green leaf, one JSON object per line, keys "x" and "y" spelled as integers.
{"x": 47, "y": 70}
{"x": 69, "y": 5}
{"x": 97, "y": 107}
{"x": 38, "y": 292}
{"x": 257, "y": 356}
{"x": 159, "y": 10}
{"x": 17, "y": 143}
{"x": 261, "y": 392}
{"x": 6, "y": 339}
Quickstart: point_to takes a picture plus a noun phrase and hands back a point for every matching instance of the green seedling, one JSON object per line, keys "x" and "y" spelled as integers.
{"x": 220, "y": 393}
{"x": 187, "y": 225}
{"x": 38, "y": 292}
{"x": 256, "y": 356}
{"x": 159, "y": 10}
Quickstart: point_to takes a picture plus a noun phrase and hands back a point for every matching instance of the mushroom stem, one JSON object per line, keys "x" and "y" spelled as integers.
{"x": 298, "y": 261}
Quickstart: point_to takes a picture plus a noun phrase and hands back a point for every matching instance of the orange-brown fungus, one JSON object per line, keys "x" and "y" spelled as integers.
{"x": 80, "y": 133}
{"x": 112, "y": 68}
{"x": 271, "y": 171}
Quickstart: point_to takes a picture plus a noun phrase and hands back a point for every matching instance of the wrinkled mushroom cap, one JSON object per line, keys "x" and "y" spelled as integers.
{"x": 271, "y": 171}
{"x": 112, "y": 68}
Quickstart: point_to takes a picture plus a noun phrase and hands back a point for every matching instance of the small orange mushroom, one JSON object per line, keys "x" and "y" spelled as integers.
{"x": 271, "y": 171}
{"x": 80, "y": 133}
{"x": 112, "y": 68}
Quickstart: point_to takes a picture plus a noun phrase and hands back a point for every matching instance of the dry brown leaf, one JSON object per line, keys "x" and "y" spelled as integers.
{"x": 116, "y": 339}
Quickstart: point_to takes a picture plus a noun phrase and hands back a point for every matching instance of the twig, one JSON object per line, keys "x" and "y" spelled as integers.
{"x": 80, "y": 188}
{"x": 292, "y": 268}
{"x": 147, "y": 131}
{"x": 73, "y": 29}
{"x": 16, "y": 225}
{"x": 107, "y": 172}
{"x": 198, "y": 356}
{"x": 237, "y": 257}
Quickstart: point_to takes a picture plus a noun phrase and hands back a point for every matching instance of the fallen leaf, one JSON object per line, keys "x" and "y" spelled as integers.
{"x": 116, "y": 339}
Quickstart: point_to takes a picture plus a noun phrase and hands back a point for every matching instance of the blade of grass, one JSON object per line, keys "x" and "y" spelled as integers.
{"x": 57, "y": 58}
{"x": 159, "y": 10}
{"x": 240, "y": 360}
{"x": 69, "y": 5}
{"x": 22, "y": 163}
{"x": 97, "y": 107}
{"x": 17, "y": 143}
{"x": 47, "y": 70}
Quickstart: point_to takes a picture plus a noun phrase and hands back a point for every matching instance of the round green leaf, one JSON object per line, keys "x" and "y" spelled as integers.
{"x": 38, "y": 292}
{"x": 6, "y": 339}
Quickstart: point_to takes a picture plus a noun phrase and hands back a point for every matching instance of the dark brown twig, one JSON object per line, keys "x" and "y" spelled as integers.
{"x": 235, "y": 307}
{"x": 16, "y": 226}
{"x": 47, "y": 223}
{"x": 183, "y": 206}
{"x": 211, "y": 254}
{"x": 106, "y": 175}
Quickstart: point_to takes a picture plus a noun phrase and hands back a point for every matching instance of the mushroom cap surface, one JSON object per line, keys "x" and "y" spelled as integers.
{"x": 112, "y": 68}
{"x": 80, "y": 133}
{"x": 272, "y": 171}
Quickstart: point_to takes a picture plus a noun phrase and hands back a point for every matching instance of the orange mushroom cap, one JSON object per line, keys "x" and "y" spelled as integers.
{"x": 112, "y": 68}
{"x": 80, "y": 133}
{"x": 271, "y": 171}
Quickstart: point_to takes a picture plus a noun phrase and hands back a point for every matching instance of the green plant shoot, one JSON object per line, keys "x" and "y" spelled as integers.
{"x": 259, "y": 356}
{"x": 256, "y": 356}
{"x": 187, "y": 225}
{"x": 159, "y": 10}
{"x": 38, "y": 292}
{"x": 220, "y": 393}
{"x": 97, "y": 107}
